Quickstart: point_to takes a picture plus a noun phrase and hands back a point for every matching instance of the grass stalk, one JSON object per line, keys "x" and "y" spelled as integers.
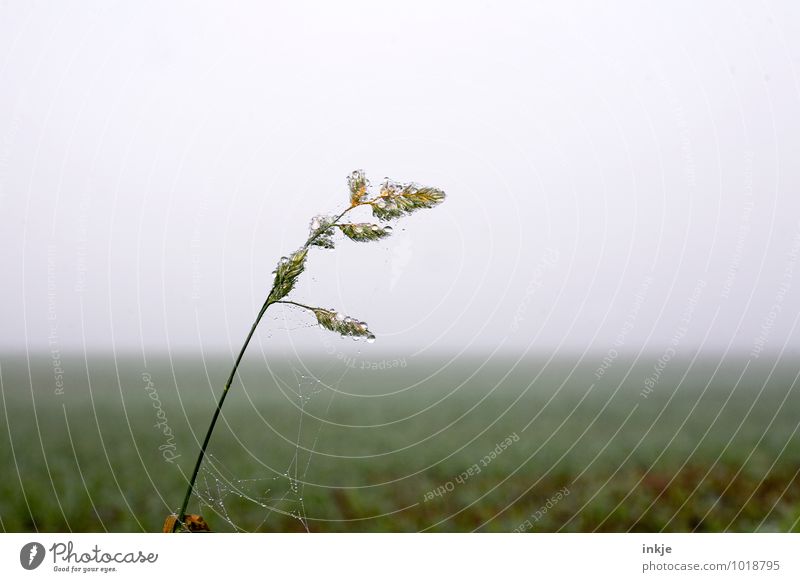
{"x": 393, "y": 201}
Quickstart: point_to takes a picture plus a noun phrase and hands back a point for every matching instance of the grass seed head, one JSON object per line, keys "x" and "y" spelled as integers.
{"x": 287, "y": 272}
{"x": 321, "y": 232}
{"x": 348, "y": 326}
{"x": 396, "y": 200}
{"x": 365, "y": 231}
{"x": 358, "y": 185}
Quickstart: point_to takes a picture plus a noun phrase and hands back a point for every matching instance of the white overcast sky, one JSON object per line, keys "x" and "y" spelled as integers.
{"x": 619, "y": 175}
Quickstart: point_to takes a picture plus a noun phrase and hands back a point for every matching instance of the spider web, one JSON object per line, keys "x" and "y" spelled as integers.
{"x": 282, "y": 492}
{"x": 269, "y": 490}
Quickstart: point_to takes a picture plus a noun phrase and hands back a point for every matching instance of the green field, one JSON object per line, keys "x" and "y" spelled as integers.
{"x": 323, "y": 446}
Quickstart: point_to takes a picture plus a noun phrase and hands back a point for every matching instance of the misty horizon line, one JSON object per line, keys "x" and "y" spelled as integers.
{"x": 220, "y": 353}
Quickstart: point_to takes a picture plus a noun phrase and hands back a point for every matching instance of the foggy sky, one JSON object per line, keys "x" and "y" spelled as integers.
{"x": 618, "y": 177}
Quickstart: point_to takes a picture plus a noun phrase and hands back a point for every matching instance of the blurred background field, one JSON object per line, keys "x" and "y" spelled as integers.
{"x": 617, "y": 178}
{"x": 335, "y": 445}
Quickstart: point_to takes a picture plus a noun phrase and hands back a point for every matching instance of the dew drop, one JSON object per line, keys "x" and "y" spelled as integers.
{"x": 371, "y": 338}
{"x": 387, "y": 229}
{"x": 380, "y": 203}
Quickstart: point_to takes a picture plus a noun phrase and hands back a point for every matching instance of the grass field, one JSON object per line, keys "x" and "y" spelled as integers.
{"x": 432, "y": 445}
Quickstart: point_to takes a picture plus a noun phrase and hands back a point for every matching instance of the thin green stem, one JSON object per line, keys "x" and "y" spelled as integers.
{"x": 295, "y": 303}
{"x": 201, "y": 455}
